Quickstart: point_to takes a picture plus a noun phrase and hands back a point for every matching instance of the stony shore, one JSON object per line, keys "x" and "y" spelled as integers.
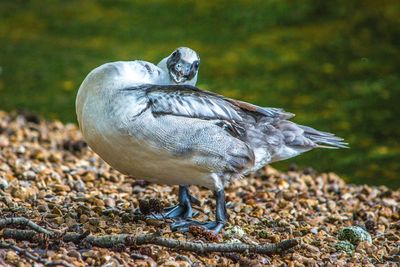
{"x": 50, "y": 176}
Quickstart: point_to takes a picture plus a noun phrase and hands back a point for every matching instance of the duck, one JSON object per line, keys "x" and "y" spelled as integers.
{"x": 152, "y": 122}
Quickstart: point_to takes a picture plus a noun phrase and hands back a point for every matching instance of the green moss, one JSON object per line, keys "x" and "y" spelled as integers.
{"x": 263, "y": 234}
{"x": 354, "y": 234}
{"x": 234, "y": 232}
{"x": 345, "y": 246}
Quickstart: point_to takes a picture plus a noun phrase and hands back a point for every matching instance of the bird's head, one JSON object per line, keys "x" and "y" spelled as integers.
{"x": 182, "y": 66}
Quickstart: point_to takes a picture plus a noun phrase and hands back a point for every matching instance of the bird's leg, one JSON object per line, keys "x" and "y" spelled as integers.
{"x": 216, "y": 226}
{"x": 181, "y": 211}
{"x": 221, "y": 215}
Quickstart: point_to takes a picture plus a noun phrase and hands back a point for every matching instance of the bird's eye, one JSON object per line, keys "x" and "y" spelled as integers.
{"x": 196, "y": 65}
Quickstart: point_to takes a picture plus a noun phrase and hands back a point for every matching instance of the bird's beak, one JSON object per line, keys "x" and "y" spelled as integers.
{"x": 178, "y": 77}
{"x": 182, "y": 73}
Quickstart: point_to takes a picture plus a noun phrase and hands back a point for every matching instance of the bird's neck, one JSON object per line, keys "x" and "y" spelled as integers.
{"x": 163, "y": 65}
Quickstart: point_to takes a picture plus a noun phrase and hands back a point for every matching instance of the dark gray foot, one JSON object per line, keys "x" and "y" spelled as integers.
{"x": 174, "y": 212}
{"x": 220, "y": 221}
{"x": 183, "y": 225}
{"x": 181, "y": 211}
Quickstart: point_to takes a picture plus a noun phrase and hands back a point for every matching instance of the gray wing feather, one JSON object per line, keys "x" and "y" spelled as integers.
{"x": 189, "y": 101}
{"x": 186, "y": 100}
{"x": 272, "y": 113}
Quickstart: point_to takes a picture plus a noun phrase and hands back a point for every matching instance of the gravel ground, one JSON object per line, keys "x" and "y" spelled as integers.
{"x": 48, "y": 174}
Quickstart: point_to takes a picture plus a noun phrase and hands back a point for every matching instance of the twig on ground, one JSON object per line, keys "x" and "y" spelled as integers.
{"x": 210, "y": 247}
{"x": 118, "y": 240}
{"x": 29, "y": 255}
{"x": 21, "y": 235}
{"x": 22, "y": 221}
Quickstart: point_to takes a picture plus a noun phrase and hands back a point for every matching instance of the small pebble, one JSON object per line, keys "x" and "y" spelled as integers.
{"x": 79, "y": 186}
{"x": 3, "y": 184}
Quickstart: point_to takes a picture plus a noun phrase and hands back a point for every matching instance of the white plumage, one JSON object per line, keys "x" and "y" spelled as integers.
{"x": 152, "y": 123}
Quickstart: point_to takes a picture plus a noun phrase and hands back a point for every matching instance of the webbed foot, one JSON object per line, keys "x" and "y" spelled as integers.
{"x": 216, "y": 226}
{"x": 183, "y": 210}
{"x": 174, "y": 212}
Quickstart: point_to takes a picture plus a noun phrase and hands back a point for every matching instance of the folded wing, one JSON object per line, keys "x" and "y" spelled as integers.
{"x": 190, "y": 101}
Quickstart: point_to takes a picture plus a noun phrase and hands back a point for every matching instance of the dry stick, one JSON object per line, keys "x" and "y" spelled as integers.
{"x": 24, "y": 222}
{"x": 22, "y": 235}
{"x": 117, "y": 240}
{"x": 23, "y": 252}
{"x": 211, "y": 247}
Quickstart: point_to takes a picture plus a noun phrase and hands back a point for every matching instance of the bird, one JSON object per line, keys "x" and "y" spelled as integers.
{"x": 151, "y": 122}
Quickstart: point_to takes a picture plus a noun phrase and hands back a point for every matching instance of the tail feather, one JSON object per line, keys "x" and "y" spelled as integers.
{"x": 288, "y": 139}
{"x": 324, "y": 139}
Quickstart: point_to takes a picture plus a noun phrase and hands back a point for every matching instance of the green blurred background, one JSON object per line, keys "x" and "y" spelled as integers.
{"x": 336, "y": 64}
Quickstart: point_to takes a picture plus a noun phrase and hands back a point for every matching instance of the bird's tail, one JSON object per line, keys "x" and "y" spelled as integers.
{"x": 324, "y": 139}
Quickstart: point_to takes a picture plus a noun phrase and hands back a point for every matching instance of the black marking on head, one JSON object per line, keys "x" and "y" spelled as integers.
{"x": 173, "y": 59}
{"x": 193, "y": 70}
{"x": 196, "y": 65}
{"x": 149, "y": 70}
